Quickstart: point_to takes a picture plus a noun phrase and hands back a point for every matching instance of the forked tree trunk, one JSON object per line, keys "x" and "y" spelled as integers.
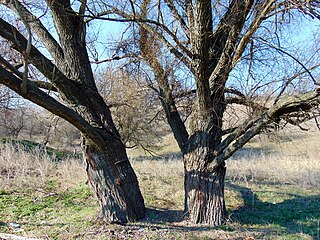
{"x": 115, "y": 183}
{"x": 204, "y": 191}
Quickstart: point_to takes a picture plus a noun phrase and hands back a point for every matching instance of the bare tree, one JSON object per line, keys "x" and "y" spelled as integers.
{"x": 68, "y": 71}
{"x": 12, "y": 121}
{"x": 212, "y": 39}
{"x": 135, "y": 108}
{"x": 4, "y": 97}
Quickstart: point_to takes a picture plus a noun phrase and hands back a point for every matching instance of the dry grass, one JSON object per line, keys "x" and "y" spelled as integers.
{"x": 265, "y": 194}
{"x": 288, "y": 158}
{"x": 21, "y": 168}
{"x": 161, "y": 182}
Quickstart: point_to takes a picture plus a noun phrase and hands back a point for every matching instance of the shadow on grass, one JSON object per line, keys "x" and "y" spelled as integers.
{"x": 299, "y": 214}
{"x": 166, "y": 219}
{"x": 163, "y": 215}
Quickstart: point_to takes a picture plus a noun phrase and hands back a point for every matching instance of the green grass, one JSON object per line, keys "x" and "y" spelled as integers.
{"x": 278, "y": 211}
{"x": 261, "y": 210}
{"x": 267, "y": 197}
{"x": 30, "y": 146}
{"x": 48, "y": 211}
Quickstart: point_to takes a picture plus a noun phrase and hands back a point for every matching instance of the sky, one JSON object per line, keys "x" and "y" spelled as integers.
{"x": 107, "y": 33}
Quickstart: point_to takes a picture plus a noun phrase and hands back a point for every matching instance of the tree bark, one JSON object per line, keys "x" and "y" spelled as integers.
{"x": 114, "y": 183}
{"x": 204, "y": 186}
{"x": 108, "y": 168}
{"x": 205, "y": 195}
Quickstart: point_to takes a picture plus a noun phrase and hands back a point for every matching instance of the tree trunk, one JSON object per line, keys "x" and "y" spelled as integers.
{"x": 204, "y": 188}
{"x": 204, "y": 193}
{"x": 115, "y": 183}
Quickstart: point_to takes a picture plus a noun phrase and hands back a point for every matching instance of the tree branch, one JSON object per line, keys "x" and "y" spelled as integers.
{"x": 165, "y": 92}
{"x": 178, "y": 17}
{"x": 289, "y": 80}
{"x": 129, "y": 55}
{"x": 246, "y": 102}
{"x": 10, "y": 67}
{"x": 35, "y": 95}
{"x": 44, "y": 65}
{"x": 252, "y": 126}
{"x": 144, "y": 22}
{"x": 45, "y": 85}
{"x": 224, "y": 40}
{"x": 28, "y": 48}
{"x": 293, "y": 57}
{"x": 37, "y": 27}
{"x": 128, "y": 18}
{"x": 263, "y": 11}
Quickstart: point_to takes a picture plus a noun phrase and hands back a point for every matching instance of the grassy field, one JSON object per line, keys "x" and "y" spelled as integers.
{"x": 272, "y": 192}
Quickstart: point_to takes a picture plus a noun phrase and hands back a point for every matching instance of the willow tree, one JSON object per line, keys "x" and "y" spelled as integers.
{"x": 61, "y": 56}
{"x": 211, "y": 39}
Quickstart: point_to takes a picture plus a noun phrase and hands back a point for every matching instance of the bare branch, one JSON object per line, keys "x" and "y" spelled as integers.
{"x": 128, "y": 18}
{"x": 246, "y": 102}
{"x": 264, "y": 9}
{"x": 132, "y": 7}
{"x": 178, "y": 17}
{"x": 129, "y": 55}
{"x": 44, "y": 65}
{"x": 224, "y": 40}
{"x": 28, "y": 48}
{"x": 82, "y": 8}
{"x": 289, "y": 80}
{"x": 10, "y": 67}
{"x": 252, "y": 126}
{"x": 294, "y": 58}
{"x": 234, "y": 91}
{"x": 37, "y": 27}
{"x": 184, "y": 94}
{"x": 45, "y": 85}
{"x": 165, "y": 92}
{"x": 143, "y": 21}
{"x": 42, "y": 99}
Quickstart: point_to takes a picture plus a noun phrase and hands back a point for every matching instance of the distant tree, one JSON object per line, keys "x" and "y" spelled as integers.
{"x": 135, "y": 108}
{"x": 52, "y": 40}
{"x": 12, "y": 121}
{"x": 233, "y": 51}
{"x": 4, "y": 97}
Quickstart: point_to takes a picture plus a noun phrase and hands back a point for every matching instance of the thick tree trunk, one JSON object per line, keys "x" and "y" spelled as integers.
{"x": 204, "y": 192}
{"x": 115, "y": 183}
{"x": 204, "y": 185}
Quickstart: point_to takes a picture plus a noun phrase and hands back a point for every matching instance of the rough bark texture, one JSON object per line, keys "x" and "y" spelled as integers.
{"x": 115, "y": 184}
{"x": 205, "y": 194}
{"x": 204, "y": 187}
{"x": 210, "y": 47}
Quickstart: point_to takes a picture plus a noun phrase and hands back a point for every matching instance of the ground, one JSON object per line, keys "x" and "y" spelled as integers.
{"x": 272, "y": 192}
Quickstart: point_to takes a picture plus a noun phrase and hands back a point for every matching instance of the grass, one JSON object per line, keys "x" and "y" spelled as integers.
{"x": 279, "y": 212}
{"x": 31, "y": 146}
{"x": 272, "y": 192}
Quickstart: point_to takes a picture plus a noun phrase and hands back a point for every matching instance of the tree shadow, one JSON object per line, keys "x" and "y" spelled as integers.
{"x": 163, "y": 215}
{"x": 299, "y": 214}
{"x": 162, "y": 218}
